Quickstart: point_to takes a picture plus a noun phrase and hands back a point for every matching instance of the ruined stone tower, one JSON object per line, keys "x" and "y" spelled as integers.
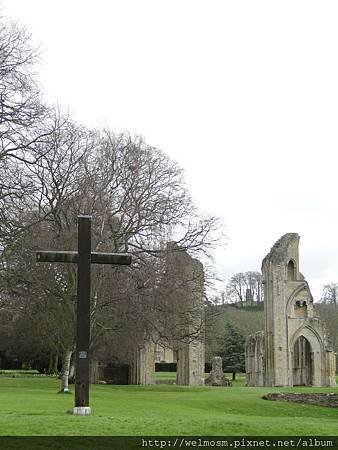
{"x": 294, "y": 349}
{"x": 186, "y": 276}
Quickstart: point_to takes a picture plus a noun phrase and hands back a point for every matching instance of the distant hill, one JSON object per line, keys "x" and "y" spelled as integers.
{"x": 247, "y": 320}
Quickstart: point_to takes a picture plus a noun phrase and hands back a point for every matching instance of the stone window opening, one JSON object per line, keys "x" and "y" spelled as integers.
{"x": 300, "y": 308}
{"x": 158, "y": 355}
{"x": 291, "y": 270}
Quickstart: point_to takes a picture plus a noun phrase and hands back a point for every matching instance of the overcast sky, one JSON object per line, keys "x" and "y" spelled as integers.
{"x": 243, "y": 94}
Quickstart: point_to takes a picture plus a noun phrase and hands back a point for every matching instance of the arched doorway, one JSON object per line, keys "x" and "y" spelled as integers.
{"x": 302, "y": 369}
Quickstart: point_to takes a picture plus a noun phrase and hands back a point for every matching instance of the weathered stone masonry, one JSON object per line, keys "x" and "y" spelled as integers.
{"x": 294, "y": 348}
{"x": 190, "y": 350}
{"x": 185, "y": 276}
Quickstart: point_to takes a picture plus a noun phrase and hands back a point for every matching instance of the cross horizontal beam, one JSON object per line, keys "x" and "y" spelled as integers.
{"x": 95, "y": 258}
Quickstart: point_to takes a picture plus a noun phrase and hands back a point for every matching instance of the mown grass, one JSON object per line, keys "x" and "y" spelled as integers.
{"x": 165, "y": 376}
{"x": 171, "y": 377}
{"x": 16, "y": 373}
{"x": 31, "y": 406}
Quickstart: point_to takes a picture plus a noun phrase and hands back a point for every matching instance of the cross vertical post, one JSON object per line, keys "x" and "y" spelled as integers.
{"x": 83, "y": 316}
{"x": 84, "y": 258}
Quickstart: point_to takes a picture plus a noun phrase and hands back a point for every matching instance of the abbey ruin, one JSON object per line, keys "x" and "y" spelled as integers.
{"x": 182, "y": 289}
{"x": 294, "y": 348}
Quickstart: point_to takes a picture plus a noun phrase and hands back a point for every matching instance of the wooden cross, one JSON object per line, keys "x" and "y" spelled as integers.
{"x": 83, "y": 257}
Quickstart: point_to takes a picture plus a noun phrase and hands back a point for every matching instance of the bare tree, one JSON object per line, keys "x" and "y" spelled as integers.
{"x": 329, "y": 293}
{"x": 21, "y": 108}
{"x": 243, "y": 287}
{"x": 135, "y": 194}
{"x": 254, "y": 285}
{"x": 329, "y": 313}
{"x": 25, "y": 123}
{"x": 51, "y": 170}
{"x": 144, "y": 202}
{"x": 236, "y": 288}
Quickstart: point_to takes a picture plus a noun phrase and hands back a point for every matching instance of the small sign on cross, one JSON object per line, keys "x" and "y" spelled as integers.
{"x": 84, "y": 258}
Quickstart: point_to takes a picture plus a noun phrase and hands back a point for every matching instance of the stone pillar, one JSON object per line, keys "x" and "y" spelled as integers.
{"x": 330, "y": 375}
{"x": 254, "y": 359}
{"x": 147, "y": 363}
{"x": 142, "y": 368}
{"x": 190, "y": 364}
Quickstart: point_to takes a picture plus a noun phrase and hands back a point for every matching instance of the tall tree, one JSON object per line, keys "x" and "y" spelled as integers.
{"x": 243, "y": 287}
{"x": 236, "y": 288}
{"x": 24, "y": 122}
{"x": 329, "y": 293}
{"x": 231, "y": 347}
{"x": 51, "y": 170}
{"x": 20, "y": 105}
{"x": 134, "y": 193}
{"x": 328, "y": 312}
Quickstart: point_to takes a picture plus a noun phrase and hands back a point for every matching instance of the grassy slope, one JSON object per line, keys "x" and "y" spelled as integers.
{"x": 31, "y": 407}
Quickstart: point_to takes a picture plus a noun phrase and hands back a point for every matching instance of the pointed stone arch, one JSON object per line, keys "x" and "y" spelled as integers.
{"x": 302, "y": 362}
{"x": 311, "y": 351}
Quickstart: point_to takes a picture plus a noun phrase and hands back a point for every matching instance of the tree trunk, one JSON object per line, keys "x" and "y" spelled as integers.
{"x": 50, "y": 363}
{"x": 65, "y": 370}
{"x": 53, "y": 363}
{"x": 71, "y": 377}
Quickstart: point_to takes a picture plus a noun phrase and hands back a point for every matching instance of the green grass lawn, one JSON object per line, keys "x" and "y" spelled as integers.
{"x": 170, "y": 377}
{"x": 162, "y": 377}
{"x": 31, "y": 406}
{"x": 18, "y": 373}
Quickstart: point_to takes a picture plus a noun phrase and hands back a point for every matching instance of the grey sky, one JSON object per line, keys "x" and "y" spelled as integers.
{"x": 243, "y": 94}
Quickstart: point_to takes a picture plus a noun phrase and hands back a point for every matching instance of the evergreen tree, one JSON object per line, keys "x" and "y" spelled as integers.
{"x": 232, "y": 348}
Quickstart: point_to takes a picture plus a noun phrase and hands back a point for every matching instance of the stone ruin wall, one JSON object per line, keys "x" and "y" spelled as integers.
{"x": 255, "y": 359}
{"x": 190, "y": 351}
{"x": 294, "y": 348}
